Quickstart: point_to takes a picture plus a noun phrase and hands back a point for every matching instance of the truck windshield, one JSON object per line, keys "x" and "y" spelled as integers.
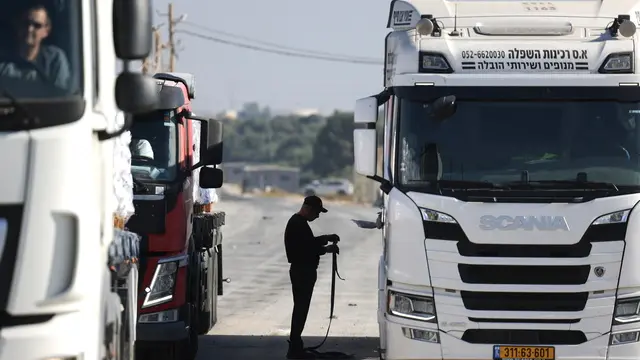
{"x": 41, "y": 48}
{"x": 154, "y": 146}
{"x": 497, "y": 134}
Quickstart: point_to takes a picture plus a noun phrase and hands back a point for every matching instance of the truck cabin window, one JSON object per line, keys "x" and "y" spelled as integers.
{"x": 40, "y": 48}
{"x": 154, "y": 147}
{"x": 496, "y": 141}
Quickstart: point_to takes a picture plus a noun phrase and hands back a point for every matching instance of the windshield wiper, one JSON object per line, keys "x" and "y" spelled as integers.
{"x": 461, "y": 184}
{"x": 562, "y": 184}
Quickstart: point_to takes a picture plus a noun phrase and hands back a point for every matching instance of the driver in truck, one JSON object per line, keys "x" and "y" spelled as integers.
{"x": 141, "y": 147}
{"x": 31, "y": 27}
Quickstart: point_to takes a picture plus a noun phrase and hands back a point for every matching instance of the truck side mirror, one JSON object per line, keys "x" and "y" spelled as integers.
{"x": 136, "y": 93}
{"x": 210, "y": 178}
{"x": 211, "y": 142}
{"x": 132, "y": 29}
{"x": 365, "y": 150}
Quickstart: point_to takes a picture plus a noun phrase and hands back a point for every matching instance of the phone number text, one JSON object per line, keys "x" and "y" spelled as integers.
{"x": 484, "y": 54}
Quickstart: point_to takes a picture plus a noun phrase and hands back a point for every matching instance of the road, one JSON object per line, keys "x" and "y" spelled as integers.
{"x": 254, "y": 313}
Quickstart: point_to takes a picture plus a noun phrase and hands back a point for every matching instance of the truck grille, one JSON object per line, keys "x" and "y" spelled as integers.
{"x": 454, "y": 232}
{"x": 524, "y": 337}
{"x": 493, "y": 279}
{"x": 524, "y": 275}
{"x": 512, "y": 301}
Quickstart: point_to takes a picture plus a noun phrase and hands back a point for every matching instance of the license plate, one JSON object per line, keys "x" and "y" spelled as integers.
{"x": 524, "y": 352}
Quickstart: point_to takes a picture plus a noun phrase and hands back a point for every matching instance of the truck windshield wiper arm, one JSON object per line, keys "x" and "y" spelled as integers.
{"x": 563, "y": 184}
{"x": 461, "y": 184}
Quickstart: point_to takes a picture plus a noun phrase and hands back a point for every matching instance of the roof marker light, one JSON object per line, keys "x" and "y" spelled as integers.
{"x": 525, "y": 28}
{"x": 627, "y": 28}
{"x": 425, "y": 27}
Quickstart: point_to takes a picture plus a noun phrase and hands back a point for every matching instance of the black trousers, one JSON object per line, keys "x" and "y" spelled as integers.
{"x": 303, "y": 280}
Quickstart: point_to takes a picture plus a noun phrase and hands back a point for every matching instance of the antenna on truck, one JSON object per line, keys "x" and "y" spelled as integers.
{"x": 455, "y": 22}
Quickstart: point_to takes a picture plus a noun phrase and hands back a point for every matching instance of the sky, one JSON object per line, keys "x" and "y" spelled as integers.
{"x": 227, "y": 77}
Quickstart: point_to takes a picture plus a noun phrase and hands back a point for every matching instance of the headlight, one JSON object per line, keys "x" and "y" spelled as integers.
{"x": 627, "y": 311}
{"x": 433, "y": 63}
{"x": 613, "y": 218}
{"x": 436, "y": 216}
{"x": 620, "y": 63}
{"x": 162, "y": 284}
{"x": 624, "y": 338}
{"x": 413, "y": 307}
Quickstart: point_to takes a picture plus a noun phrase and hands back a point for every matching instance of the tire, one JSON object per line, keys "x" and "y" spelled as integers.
{"x": 342, "y": 192}
{"x": 309, "y": 192}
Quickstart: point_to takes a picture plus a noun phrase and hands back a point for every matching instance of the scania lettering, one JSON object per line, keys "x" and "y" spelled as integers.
{"x": 542, "y": 223}
{"x": 58, "y": 127}
{"x": 510, "y": 175}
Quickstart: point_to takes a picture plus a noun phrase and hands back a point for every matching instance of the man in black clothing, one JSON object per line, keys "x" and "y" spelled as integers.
{"x": 303, "y": 253}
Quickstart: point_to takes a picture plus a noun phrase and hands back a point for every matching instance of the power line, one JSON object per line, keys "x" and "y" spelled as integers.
{"x": 281, "y": 52}
{"x": 275, "y": 45}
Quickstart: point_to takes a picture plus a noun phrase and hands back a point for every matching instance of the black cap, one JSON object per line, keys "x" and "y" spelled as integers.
{"x": 315, "y": 203}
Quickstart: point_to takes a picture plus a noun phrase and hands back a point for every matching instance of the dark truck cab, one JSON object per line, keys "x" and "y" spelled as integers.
{"x": 180, "y": 248}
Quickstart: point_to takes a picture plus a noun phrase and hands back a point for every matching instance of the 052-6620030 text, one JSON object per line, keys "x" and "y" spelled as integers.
{"x": 484, "y": 54}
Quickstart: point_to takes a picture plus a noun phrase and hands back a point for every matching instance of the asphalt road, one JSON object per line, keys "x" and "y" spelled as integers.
{"x": 254, "y": 313}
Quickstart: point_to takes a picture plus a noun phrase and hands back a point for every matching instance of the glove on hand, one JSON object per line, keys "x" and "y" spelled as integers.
{"x": 333, "y": 248}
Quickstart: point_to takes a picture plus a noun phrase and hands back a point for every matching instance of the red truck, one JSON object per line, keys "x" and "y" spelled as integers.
{"x": 180, "y": 248}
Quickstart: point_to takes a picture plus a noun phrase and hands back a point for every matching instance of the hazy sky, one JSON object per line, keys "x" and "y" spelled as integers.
{"x": 228, "y": 76}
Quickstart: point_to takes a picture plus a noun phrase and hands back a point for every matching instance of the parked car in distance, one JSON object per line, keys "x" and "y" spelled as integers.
{"x": 326, "y": 187}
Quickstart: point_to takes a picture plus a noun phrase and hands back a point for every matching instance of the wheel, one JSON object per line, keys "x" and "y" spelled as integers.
{"x": 342, "y": 192}
{"x": 309, "y": 192}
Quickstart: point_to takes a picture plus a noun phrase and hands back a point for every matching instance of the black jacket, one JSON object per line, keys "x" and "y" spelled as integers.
{"x": 302, "y": 247}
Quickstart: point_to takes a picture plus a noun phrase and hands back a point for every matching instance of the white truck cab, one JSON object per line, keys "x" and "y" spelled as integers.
{"x": 56, "y": 193}
{"x": 511, "y": 175}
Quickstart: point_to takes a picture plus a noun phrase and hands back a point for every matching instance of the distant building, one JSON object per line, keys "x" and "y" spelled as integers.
{"x": 305, "y": 112}
{"x": 261, "y": 176}
{"x": 229, "y": 115}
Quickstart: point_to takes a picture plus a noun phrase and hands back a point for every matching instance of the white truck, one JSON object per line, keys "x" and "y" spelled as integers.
{"x": 511, "y": 175}
{"x": 56, "y": 199}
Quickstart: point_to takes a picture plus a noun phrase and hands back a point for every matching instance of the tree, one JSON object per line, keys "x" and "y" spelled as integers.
{"x": 333, "y": 148}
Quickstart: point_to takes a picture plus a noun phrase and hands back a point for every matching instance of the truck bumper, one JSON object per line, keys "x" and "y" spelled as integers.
{"x": 173, "y": 331}
{"x": 161, "y": 331}
{"x": 400, "y": 346}
{"x": 64, "y": 336}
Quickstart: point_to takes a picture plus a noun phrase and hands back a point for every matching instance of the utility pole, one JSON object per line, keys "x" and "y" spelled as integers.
{"x": 154, "y": 65}
{"x": 159, "y": 47}
{"x": 172, "y": 44}
{"x": 172, "y": 30}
